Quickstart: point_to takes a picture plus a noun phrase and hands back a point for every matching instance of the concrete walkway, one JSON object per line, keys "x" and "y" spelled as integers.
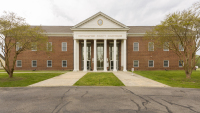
{"x": 67, "y": 79}
{"x": 136, "y": 80}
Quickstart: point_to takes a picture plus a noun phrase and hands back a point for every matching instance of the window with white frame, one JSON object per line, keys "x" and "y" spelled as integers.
{"x": 166, "y": 63}
{"x": 18, "y": 63}
{"x": 166, "y": 46}
{"x": 181, "y": 63}
{"x": 151, "y": 63}
{"x": 34, "y": 46}
{"x": 34, "y": 63}
{"x": 64, "y": 63}
{"x": 18, "y": 46}
{"x": 180, "y": 47}
{"x": 49, "y": 63}
{"x": 49, "y": 46}
{"x": 64, "y": 46}
{"x": 135, "y": 46}
{"x": 151, "y": 46}
{"x": 136, "y": 63}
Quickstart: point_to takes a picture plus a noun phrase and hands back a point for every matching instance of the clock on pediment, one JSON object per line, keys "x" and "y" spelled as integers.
{"x": 100, "y": 22}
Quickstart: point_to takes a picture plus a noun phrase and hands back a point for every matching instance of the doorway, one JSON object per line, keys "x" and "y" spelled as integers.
{"x": 100, "y": 56}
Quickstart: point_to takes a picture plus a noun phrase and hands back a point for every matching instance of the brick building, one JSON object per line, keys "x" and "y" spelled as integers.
{"x": 99, "y": 43}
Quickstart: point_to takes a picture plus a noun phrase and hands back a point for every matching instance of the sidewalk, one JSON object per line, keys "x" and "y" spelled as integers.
{"x": 136, "y": 80}
{"x": 67, "y": 79}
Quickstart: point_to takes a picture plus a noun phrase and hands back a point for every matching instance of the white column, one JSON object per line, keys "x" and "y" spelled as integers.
{"x": 85, "y": 57}
{"x": 75, "y": 55}
{"x": 95, "y": 55}
{"x": 115, "y": 47}
{"x": 124, "y": 55}
{"x": 105, "y": 54}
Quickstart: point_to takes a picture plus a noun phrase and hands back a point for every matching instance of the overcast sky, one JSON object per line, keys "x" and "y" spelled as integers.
{"x": 71, "y": 12}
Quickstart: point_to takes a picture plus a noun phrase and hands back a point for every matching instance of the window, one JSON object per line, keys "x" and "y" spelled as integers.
{"x": 19, "y": 63}
{"x": 49, "y": 46}
{"x": 181, "y": 63}
{"x": 34, "y": 63}
{"x": 64, "y": 63}
{"x": 34, "y": 46}
{"x": 180, "y": 47}
{"x": 166, "y": 63}
{"x": 135, "y": 63}
{"x": 18, "y": 46}
{"x": 151, "y": 46}
{"x": 64, "y": 46}
{"x": 49, "y": 63}
{"x": 166, "y": 46}
{"x": 151, "y": 63}
{"x": 135, "y": 46}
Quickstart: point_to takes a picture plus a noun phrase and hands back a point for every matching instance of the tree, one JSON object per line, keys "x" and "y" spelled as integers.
{"x": 180, "y": 33}
{"x": 17, "y": 36}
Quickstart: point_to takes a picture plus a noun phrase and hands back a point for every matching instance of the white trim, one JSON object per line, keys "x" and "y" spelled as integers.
{"x": 133, "y": 63}
{"x": 164, "y": 63}
{"x": 47, "y": 63}
{"x": 135, "y": 34}
{"x": 32, "y": 63}
{"x": 153, "y": 63}
{"x": 137, "y": 46}
{"x": 17, "y": 63}
{"x": 33, "y": 44}
{"x": 48, "y": 45}
{"x": 62, "y": 63}
{"x": 164, "y": 47}
{"x": 62, "y": 46}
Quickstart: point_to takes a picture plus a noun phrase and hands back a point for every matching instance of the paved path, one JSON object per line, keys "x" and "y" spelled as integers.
{"x": 136, "y": 80}
{"x": 67, "y": 79}
{"x": 72, "y": 99}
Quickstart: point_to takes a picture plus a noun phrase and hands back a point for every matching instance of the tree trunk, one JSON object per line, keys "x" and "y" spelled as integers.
{"x": 188, "y": 74}
{"x": 10, "y": 75}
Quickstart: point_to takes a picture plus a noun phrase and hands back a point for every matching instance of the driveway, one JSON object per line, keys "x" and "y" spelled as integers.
{"x": 99, "y": 100}
{"x": 67, "y": 79}
{"x": 132, "y": 79}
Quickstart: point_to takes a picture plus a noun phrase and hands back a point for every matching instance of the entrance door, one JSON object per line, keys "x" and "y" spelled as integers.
{"x": 112, "y": 64}
{"x": 100, "y": 56}
{"x": 88, "y": 65}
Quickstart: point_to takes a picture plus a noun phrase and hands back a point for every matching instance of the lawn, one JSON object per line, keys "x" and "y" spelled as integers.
{"x": 24, "y": 79}
{"x": 99, "y": 79}
{"x": 173, "y": 78}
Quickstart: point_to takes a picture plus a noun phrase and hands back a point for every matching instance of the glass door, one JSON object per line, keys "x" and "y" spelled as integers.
{"x": 111, "y": 55}
{"x": 88, "y": 56}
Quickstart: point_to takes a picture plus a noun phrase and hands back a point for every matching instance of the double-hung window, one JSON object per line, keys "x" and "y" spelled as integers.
{"x": 181, "y": 63}
{"x": 151, "y": 46}
{"x": 18, "y": 46}
{"x": 151, "y": 63}
{"x": 166, "y": 63}
{"x": 135, "y": 46}
{"x": 34, "y": 46}
{"x": 180, "y": 47}
{"x": 49, "y": 46}
{"x": 49, "y": 63}
{"x": 64, "y": 63}
{"x": 136, "y": 63}
{"x": 166, "y": 46}
{"x": 18, "y": 63}
{"x": 34, "y": 63}
{"x": 64, "y": 46}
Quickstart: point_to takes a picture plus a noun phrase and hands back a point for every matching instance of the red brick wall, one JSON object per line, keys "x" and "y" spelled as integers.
{"x": 143, "y": 55}
{"x": 57, "y": 55}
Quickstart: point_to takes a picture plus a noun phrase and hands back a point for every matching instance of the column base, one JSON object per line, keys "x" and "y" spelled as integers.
{"x": 114, "y": 70}
{"x": 95, "y": 70}
{"x": 74, "y": 70}
{"x": 125, "y": 70}
{"x": 84, "y": 70}
{"x": 105, "y": 70}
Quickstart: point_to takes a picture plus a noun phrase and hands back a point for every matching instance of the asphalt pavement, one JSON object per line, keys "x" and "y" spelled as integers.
{"x": 71, "y": 99}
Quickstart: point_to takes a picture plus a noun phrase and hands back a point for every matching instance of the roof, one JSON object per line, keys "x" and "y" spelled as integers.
{"x": 66, "y": 29}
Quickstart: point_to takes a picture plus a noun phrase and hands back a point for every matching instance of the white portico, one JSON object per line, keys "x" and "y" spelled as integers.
{"x": 103, "y": 44}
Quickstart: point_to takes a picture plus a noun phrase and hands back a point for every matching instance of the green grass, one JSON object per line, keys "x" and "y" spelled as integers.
{"x": 24, "y": 79}
{"x": 99, "y": 79}
{"x": 173, "y": 78}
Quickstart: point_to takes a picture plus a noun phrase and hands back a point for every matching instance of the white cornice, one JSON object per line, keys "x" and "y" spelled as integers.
{"x": 99, "y": 29}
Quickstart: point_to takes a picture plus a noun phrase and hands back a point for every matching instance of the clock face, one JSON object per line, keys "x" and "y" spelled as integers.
{"x": 100, "y": 22}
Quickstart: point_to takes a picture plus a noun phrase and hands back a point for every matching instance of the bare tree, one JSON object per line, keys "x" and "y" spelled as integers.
{"x": 17, "y": 36}
{"x": 180, "y": 33}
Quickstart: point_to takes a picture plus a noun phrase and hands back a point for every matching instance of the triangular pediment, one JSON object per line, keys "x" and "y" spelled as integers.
{"x": 100, "y": 21}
